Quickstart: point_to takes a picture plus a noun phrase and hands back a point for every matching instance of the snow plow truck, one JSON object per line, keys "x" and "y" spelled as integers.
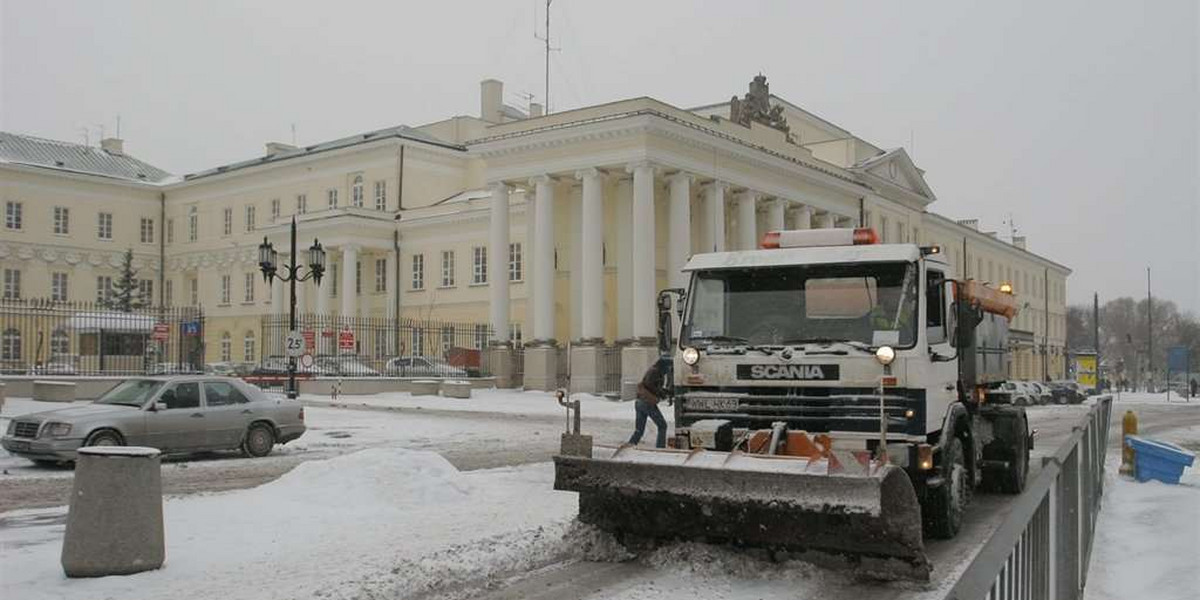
{"x": 835, "y": 398}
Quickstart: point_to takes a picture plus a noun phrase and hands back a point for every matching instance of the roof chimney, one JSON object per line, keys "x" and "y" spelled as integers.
{"x": 491, "y": 94}
{"x": 1019, "y": 241}
{"x": 114, "y": 146}
{"x": 972, "y": 223}
{"x": 536, "y": 110}
{"x": 274, "y": 148}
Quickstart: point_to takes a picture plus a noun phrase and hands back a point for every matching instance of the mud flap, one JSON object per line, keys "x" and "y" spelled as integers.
{"x": 870, "y": 523}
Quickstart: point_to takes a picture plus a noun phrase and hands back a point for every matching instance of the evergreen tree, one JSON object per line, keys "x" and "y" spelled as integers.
{"x": 125, "y": 295}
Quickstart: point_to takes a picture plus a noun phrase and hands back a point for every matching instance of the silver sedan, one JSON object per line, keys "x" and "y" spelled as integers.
{"x": 176, "y": 414}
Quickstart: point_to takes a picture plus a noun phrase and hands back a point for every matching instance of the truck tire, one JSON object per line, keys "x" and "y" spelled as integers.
{"x": 945, "y": 507}
{"x": 1010, "y": 480}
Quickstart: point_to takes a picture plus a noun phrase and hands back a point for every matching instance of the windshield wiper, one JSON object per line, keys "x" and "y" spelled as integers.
{"x": 851, "y": 343}
{"x": 721, "y": 338}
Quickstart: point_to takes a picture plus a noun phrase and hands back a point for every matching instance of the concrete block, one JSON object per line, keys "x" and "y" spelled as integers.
{"x": 456, "y": 389}
{"x": 115, "y": 520}
{"x": 587, "y": 369}
{"x": 53, "y": 391}
{"x": 500, "y": 361}
{"x": 635, "y": 360}
{"x": 425, "y": 387}
{"x": 541, "y": 368}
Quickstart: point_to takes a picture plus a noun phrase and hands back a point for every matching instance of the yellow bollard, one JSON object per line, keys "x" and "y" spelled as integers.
{"x": 1129, "y": 426}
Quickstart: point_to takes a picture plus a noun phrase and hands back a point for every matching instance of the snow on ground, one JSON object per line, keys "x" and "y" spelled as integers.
{"x": 1157, "y": 398}
{"x": 383, "y": 522}
{"x": 512, "y": 402}
{"x": 1148, "y": 534}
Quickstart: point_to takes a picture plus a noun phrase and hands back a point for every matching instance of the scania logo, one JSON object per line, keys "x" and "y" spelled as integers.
{"x": 788, "y": 372}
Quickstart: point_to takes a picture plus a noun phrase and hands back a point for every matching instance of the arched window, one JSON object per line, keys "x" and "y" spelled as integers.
{"x": 60, "y": 343}
{"x": 226, "y": 347}
{"x": 248, "y": 347}
{"x": 10, "y": 344}
{"x": 356, "y": 192}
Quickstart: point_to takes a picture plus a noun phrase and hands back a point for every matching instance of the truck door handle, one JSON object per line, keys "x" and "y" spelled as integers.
{"x": 197, "y": 415}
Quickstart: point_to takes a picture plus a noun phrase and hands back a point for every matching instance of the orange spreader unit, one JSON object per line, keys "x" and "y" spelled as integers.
{"x": 988, "y": 299}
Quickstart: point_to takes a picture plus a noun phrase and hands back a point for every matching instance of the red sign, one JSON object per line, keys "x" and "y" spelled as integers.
{"x": 310, "y": 340}
{"x": 345, "y": 340}
{"x": 162, "y": 332}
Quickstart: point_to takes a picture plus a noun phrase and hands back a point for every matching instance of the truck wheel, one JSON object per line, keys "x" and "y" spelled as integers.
{"x": 945, "y": 508}
{"x": 1012, "y": 479}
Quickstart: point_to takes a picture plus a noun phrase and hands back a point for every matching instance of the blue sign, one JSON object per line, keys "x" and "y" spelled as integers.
{"x": 190, "y": 327}
{"x": 1178, "y": 358}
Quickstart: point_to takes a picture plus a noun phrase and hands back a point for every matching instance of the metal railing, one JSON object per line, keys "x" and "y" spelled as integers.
{"x": 610, "y": 362}
{"x": 1042, "y": 548}
{"x": 44, "y": 337}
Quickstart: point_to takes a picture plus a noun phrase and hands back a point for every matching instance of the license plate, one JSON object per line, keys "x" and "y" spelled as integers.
{"x": 714, "y": 403}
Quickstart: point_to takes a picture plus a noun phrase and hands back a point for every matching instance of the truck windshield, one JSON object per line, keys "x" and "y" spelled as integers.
{"x": 870, "y": 304}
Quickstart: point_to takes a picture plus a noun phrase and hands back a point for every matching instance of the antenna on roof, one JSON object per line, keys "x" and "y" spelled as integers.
{"x": 118, "y": 126}
{"x": 1012, "y": 227}
{"x": 293, "y": 134}
{"x": 546, "y": 39}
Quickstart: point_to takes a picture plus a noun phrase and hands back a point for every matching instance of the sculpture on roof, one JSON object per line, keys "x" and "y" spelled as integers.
{"x": 756, "y": 107}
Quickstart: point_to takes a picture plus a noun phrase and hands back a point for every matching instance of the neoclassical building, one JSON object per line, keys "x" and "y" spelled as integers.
{"x": 554, "y": 230}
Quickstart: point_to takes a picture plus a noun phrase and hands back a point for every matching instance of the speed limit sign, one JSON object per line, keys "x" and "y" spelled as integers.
{"x": 294, "y": 344}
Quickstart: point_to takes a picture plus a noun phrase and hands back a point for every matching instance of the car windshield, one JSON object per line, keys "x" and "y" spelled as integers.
{"x": 134, "y": 392}
{"x": 870, "y": 304}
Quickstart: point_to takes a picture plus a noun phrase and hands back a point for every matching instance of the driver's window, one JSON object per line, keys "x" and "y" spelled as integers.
{"x": 183, "y": 395}
{"x": 935, "y": 307}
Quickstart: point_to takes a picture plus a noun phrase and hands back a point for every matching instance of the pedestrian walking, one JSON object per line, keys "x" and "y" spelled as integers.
{"x": 650, "y": 391}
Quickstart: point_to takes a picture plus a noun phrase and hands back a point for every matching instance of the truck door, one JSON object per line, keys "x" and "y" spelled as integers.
{"x": 939, "y": 334}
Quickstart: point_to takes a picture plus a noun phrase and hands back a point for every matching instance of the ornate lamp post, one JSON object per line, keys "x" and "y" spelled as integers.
{"x": 268, "y": 263}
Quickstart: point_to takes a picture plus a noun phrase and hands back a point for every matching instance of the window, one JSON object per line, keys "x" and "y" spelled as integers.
{"x": 514, "y": 333}
{"x": 193, "y": 224}
{"x": 447, "y": 338}
{"x": 358, "y": 277}
{"x": 194, "y": 291}
{"x": 146, "y": 231}
{"x": 418, "y": 341}
{"x": 10, "y": 344}
{"x": 62, "y": 220}
{"x": 479, "y": 265}
{"x": 60, "y": 343}
{"x": 301, "y": 204}
{"x": 103, "y": 289}
{"x": 248, "y": 347}
{"x": 249, "y": 295}
{"x": 418, "y": 272}
{"x": 12, "y": 215}
{"x": 224, "y": 289}
{"x": 381, "y": 344}
{"x": 883, "y": 229}
{"x": 515, "y": 268}
{"x": 12, "y": 284}
{"x": 481, "y": 336}
{"x": 58, "y": 287}
{"x": 220, "y": 393}
{"x": 226, "y": 347}
{"x": 333, "y": 277}
{"x": 146, "y": 290}
{"x": 381, "y": 275}
{"x": 332, "y": 198}
{"x": 935, "y": 307}
{"x": 170, "y": 231}
{"x": 275, "y": 209}
{"x": 447, "y": 268}
{"x": 169, "y": 291}
{"x": 227, "y": 229}
{"x": 380, "y": 195}
{"x": 104, "y": 226}
{"x": 356, "y": 192}
{"x": 250, "y": 218}
{"x": 183, "y": 395}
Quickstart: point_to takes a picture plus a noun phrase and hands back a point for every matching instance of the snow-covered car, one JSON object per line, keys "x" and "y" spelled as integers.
{"x": 1039, "y": 392}
{"x": 166, "y": 368}
{"x": 1019, "y": 393}
{"x": 421, "y": 366}
{"x": 54, "y": 368}
{"x": 176, "y": 414}
{"x": 345, "y": 366}
{"x": 1067, "y": 392}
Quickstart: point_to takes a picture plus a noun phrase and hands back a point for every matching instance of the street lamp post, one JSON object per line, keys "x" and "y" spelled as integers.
{"x": 268, "y": 263}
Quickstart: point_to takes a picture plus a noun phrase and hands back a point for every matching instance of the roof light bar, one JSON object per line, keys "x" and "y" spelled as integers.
{"x": 808, "y": 238}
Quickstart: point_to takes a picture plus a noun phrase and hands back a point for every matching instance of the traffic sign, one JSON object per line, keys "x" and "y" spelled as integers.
{"x": 294, "y": 343}
{"x": 162, "y": 331}
{"x": 190, "y": 327}
{"x": 306, "y": 360}
{"x": 345, "y": 340}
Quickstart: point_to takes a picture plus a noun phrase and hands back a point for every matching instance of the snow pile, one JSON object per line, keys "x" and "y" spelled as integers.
{"x": 509, "y": 402}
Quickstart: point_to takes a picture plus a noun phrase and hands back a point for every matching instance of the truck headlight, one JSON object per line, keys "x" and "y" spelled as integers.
{"x": 691, "y": 356}
{"x": 885, "y": 355}
{"x": 58, "y": 429}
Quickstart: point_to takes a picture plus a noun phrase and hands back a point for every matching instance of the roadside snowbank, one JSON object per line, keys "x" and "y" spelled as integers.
{"x": 511, "y": 402}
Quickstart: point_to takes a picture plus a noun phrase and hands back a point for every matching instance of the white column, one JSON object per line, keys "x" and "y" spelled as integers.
{"x": 543, "y": 260}
{"x": 624, "y": 254}
{"x": 498, "y": 237}
{"x": 804, "y": 218}
{"x": 775, "y": 210}
{"x": 679, "y": 244}
{"x": 349, "y": 297}
{"x": 714, "y": 216}
{"x": 747, "y": 220}
{"x": 826, "y": 221}
{"x": 643, "y": 250}
{"x": 393, "y": 286}
{"x": 591, "y": 245}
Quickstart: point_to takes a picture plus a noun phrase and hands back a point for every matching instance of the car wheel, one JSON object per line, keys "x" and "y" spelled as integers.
{"x": 260, "y": 439}
{"x": 104, "y": 437}
{"x": 949, "y": 503}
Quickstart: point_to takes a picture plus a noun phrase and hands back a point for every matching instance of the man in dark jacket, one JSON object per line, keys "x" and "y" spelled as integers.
{"x": 652, "y": 389}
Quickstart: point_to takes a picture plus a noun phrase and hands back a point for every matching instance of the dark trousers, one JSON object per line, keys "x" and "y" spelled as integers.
{"x": 645, "y": 409}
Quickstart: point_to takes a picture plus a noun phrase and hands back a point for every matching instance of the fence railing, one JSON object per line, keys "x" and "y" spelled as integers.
{"x": 378, "y": 346}
{"x": 1042, "y": 548}
{"x": 43, "y": 337}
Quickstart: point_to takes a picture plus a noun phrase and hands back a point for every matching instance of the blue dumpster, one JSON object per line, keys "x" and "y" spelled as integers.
{"x": 1162, "y": 461}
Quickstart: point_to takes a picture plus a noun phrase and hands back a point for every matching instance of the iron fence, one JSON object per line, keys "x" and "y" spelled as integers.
{"x": 378, "y": 347}
{"x": 1043, "y": 547}
{"x": 43, "y": 337}
{"x": 610, "y": 364}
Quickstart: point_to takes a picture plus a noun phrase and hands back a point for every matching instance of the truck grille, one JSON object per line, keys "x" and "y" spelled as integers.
{"x": 26, "y": 429}
{"x": 809, "y": 409}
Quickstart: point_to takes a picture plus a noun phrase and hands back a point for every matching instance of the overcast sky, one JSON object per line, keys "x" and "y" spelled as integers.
{"x": 1077, "y": 118}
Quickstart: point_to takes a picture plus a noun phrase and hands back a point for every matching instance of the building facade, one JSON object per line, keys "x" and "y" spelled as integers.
{"x": 554, "y": 230}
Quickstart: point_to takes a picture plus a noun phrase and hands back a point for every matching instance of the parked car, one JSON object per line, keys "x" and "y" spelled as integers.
{"x": 1067, "y": 392}
{"x": 177, "y": 414}
{"x": 345, "y": 366}
{"x": 166, "y": 368}
{"x": 421, "y": 366}
{"x": 1018, "y": 392}
{"x": 54, "y": 368}
{"x": 1040, "y": 392}
{"x": 278, "y": 365}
